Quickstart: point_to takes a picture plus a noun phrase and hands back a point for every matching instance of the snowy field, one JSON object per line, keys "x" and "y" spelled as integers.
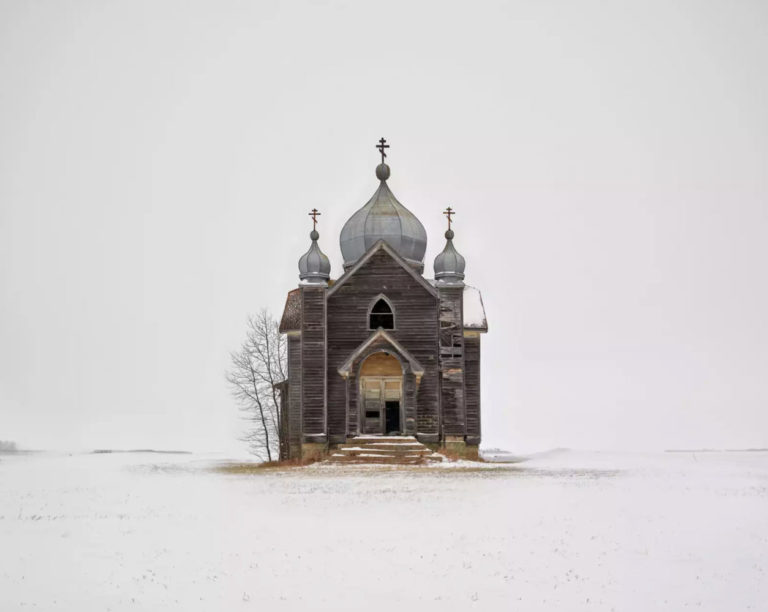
{"x": 564, "y": 531}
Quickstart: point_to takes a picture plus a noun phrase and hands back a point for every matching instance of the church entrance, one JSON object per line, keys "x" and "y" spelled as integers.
{"x": 381, "y": 393}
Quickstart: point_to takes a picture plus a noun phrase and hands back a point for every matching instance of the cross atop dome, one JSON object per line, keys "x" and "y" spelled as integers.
{"x": 449, "y": 212}
{"x": 314, "y": 214}
{"x": 381, "y": 146}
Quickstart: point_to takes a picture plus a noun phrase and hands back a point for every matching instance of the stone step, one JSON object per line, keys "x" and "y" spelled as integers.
{"x": 383, "y": 459}
{"x": 350, "y": 457}
{"x": 388, "y": 450}
{"x": 384, "y": 445}
{"x": 375, "y": 453}
{"x": 404, "y": 450}
{"x": 383, "y": 439}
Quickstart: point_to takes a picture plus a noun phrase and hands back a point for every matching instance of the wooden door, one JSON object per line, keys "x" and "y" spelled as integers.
{"x": 378, "y": 392}
{"x": 373, "y": 404}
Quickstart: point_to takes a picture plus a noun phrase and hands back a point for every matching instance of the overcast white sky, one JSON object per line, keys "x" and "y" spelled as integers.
{"x": 608, "y": 162}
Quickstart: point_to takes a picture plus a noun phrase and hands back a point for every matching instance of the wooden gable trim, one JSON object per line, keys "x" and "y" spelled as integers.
{"x": 382, "y": 244}
{"x": 346, "y": 367}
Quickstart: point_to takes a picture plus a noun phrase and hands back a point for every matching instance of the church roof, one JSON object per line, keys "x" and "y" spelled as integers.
{"x": 474, "y": 311}
{"x": 291, "y": 320}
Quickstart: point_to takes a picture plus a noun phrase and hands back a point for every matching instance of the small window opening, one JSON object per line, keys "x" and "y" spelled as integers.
{"x": 382, "y": 316}
{"x": 371, "y": 414}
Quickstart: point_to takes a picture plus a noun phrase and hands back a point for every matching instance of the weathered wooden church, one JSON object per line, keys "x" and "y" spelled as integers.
{"x": 381, "y": 350}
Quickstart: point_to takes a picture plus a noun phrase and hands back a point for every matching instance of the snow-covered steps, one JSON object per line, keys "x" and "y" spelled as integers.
{"x": 403, "y": 450}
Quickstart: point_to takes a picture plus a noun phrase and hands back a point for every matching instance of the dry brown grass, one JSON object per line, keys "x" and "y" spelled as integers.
{"x": 450, "y": 453}
{"x": 455, "y": 455}
{"x": 253, "y": 468}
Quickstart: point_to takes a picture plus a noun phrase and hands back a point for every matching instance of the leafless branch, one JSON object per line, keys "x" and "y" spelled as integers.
{"x": 256, "y": 369}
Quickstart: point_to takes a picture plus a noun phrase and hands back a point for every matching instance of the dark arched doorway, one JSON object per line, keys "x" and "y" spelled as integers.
{"x": 381, "y": 395}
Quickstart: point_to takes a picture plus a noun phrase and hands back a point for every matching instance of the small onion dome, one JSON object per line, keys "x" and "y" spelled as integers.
{"x": 384, "y": 218}
{"x": 314, "y": 266}
{"x": 449, "y": 265}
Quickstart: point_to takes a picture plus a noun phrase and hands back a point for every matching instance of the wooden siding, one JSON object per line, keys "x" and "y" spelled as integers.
{"x": 452, "y": 361}
{"x": 416, "y": 330}
{"x": 282, "y": 389}
{"x": 472, "y": 387}
{"x": 313, "y": 363}
{"x": 294, "y": 396}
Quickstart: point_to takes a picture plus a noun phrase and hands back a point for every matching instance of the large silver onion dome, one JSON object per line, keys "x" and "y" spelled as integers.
{"x": 384, "y": 218}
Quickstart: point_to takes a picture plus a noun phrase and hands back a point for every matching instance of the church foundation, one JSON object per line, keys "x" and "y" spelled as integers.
{"x": 458, "y": 445}
{"x": 314, "y": 451}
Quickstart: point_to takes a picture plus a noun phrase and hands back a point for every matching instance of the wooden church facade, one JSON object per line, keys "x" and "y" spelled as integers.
{"x": 382, "y": 350}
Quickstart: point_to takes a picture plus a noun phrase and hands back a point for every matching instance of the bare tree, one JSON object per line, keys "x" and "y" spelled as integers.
{"x": 257, "y": 368}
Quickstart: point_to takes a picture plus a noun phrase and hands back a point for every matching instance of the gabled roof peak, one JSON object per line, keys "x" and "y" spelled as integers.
{"x": 381, "y": 245}
{"x": 346, "y": 368}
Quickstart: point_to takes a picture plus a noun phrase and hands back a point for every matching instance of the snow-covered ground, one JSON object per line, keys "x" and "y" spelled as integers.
{"x": 564, "y": 531}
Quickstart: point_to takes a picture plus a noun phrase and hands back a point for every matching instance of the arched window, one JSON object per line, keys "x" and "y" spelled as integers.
{"x": 382, "y": 315}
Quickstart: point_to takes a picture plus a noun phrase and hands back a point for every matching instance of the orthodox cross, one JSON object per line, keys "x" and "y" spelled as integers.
{"x": 314, "y": 214}
{"x": 449, "y": 212}
{"x": 381, "y": 146}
